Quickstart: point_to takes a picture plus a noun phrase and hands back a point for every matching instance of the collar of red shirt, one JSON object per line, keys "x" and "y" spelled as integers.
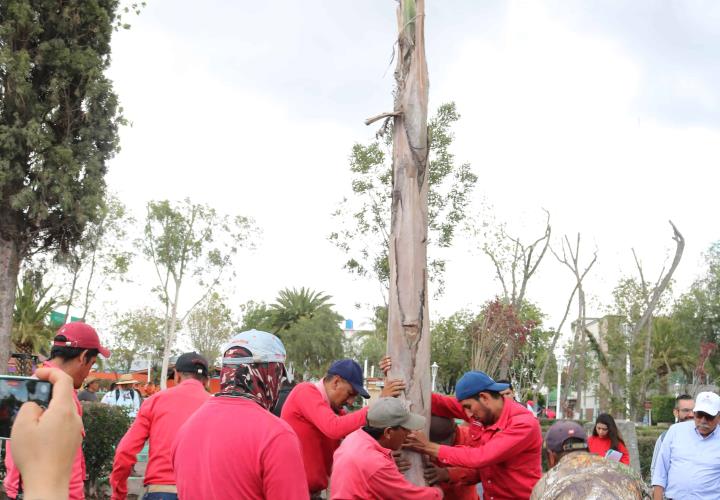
{"x": 191, "y": 381}
{"x": 320, "y": 385}
{"x": 374, "y": 443}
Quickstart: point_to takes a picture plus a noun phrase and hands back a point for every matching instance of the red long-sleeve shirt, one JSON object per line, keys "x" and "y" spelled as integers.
{"x": 320, "y": 430}
{"x": 364, "y": 469}
{"x": 234, "y": 449}
{"x": 506, "y": 452}
{"x": 600, "y": 446}
{"x": 463, "y": 481}
{"x": 159, "y": 418}
{"x": 77, "y": 475}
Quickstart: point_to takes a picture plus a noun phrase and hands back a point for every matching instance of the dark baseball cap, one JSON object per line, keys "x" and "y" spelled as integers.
{"x": 350, "y": 371}
{"x": 191, "y": 362}
{"x": 81, "y": 335}
{"x": 475, "y": 382}
{"x": 561, "y": 431}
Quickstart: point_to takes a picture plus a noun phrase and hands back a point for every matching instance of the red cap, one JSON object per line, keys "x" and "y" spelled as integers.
{"x": 79, "y": 334}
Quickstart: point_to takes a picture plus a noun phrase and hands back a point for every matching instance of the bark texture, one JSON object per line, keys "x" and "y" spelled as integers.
{"x": 9, "y": 268}
{"x": 408, "y": 318}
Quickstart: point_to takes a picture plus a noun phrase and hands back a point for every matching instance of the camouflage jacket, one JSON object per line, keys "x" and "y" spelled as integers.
{"x": 581, "y": 475}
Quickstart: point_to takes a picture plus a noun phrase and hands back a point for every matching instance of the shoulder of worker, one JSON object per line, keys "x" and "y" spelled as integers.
{"x": 587, "y": 475}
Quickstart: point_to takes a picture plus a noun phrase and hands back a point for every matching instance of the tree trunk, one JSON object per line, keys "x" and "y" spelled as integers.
{"x": 408, "y": 317}
{"x": 9, "y": 268}
{"x": 169, "y": 339}
{"x": 76, "y": 271}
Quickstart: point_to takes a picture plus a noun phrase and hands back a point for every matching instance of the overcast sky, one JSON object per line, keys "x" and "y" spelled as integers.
{"x": 606, "y": 113}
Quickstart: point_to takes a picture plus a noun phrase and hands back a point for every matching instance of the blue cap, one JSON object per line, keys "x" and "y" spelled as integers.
{"x": 350, "y": 371}
{"x": 474, "y": 382}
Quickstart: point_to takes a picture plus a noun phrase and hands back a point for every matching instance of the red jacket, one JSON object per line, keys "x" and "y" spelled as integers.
{"x": 77, "y": 476}
{"x": 319, "y": 429}
{"x": 600, "y": 446}
{"x": 363, "y": 469}
{"x": 508, "y": 454}
{"x": 159, "y": 418}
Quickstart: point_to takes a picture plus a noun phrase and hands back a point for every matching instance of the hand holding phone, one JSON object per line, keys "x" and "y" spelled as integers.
{"x": 44, "y": 442}
{"x": 14, "y": 391}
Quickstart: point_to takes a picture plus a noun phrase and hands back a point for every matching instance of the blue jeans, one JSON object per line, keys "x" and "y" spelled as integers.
{"x": 160, "y": 496}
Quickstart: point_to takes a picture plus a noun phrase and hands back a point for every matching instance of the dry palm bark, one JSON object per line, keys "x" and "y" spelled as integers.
{"x": 408, "y": 318}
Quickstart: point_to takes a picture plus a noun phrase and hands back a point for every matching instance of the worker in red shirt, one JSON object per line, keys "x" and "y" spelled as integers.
{"x": 74, "y": 350}
{"x": 159, "y": 419}
{"x": 232, "y": 447}
{"x": 364, "y": 466}
{"x": 315, "y": 412}
{"x": 457, "y": 483}
{"x": 508, "y": 449}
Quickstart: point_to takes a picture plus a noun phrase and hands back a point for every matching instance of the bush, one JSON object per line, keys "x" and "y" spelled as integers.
{"x": 646, "y": 446}
{"x": 104, "y": 425}
{"x": 662, "y": 409}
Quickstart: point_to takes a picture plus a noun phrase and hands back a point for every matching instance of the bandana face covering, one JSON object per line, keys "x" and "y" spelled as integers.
{"x": 259, "y": 382}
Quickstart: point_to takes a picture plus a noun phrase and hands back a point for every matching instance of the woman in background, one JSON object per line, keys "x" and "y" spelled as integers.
{"x": 605, "y": 437}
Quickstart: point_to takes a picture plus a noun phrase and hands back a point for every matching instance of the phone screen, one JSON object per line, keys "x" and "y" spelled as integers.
{"x": 14, "y": 391}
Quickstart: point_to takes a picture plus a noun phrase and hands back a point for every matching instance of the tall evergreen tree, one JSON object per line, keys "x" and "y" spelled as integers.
{"x": 59, "y": 120}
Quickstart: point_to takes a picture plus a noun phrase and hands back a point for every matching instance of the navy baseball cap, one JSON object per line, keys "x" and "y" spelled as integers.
{"x": 349, "y": 370}
{"x": 474, "y": 382}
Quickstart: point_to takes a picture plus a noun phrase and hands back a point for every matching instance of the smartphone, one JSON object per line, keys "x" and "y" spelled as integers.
{"x": 14, "y": 391}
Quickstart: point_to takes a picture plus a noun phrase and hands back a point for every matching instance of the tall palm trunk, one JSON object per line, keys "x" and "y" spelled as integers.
{"x": 408, "y": 317}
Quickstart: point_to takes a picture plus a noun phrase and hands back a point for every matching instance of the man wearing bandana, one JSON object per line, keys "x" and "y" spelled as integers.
{"x": 233, "y": 447}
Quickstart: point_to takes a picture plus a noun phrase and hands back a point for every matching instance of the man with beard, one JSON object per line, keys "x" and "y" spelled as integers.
{"x": 688, "y": 465}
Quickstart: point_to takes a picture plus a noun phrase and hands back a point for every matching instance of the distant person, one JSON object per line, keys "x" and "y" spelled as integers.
{"x": 606, "y": 437}
{"x": 124, "y": 395}
{"x": 74, "y": 350}
{"x": 688, "y": 465}
{"x": 683, "y": 412}
{"x": 510, "y": 391}
{"x": 282, "y": 397}
{"x": 458, "y": 483}
{"x": 232, "y": 447}
{"x": 550, "y": 413}
{"x": 159, "y": 419}
{"x": 89, "y": 393}
{"x": 363, "y": 465}
{"x": 576, "y": 474}
{"x": 316, "y": 414}
{"x": 509, "y": 441}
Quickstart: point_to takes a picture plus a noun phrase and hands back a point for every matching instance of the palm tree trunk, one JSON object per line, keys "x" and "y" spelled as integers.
{"x": 408, "y": 317}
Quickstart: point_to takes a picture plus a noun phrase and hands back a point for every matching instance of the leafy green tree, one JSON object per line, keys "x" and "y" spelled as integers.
{"x": 31, "y": 333}
{"x": 137, "y": 333}
{"x": 451, "y": 348}
{"x": 365, "y": 218}
{"x": 370, "y": 344}
{"x": 59, "y": 119}
{"x": 209, "y": 326}
{"x": 258, "y": 316}
{"x": 696, "y": 314}
{"x": 99, "y": 257}
{"x": 188, "y": 240}
{"x": 313, "y": 343}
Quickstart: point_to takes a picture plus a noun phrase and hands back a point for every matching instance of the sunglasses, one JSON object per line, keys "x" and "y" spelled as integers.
{"x": 704, "y": 416}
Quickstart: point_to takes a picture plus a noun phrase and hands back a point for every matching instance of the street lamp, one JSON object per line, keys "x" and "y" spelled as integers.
{"x": 559, "y": 360}
{"x": 434, "y": 369}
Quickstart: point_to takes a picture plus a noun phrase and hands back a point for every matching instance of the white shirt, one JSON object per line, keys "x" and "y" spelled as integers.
{"x": 128, "y": 398}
